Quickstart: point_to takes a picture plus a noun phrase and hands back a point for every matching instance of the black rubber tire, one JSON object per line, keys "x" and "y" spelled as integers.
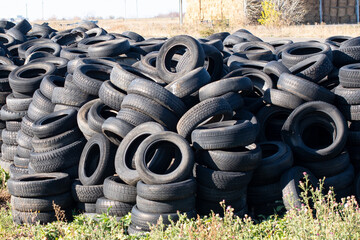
{"x": 350, "y": 112}
{"x": 128, "y": 147}
{"x": 115, "y": 189}
{"x": 12, "y": 125}
{"x": 222, "y": 180}
{"x": 282, "y": 98}
{"x": 291, "y": 135}
{"x": 189, "y": 83}
{"x": 26, "y": 126}
{"x": 70, "y": 96}
{"x": 213, "y": 59}
{"x": 275, "y": 68}
{"x": 111, "y": 95}
{"x": 8, "y": 115}
{"x": 277, "y": 158}
{"x": 42, "y": 102}
{"x": 206, "y": 207}
{"x": 97, "y": 115}
{"x": 235, "y": 100}
{"x": 17, "y": 104}
{"x": 291, "y": 191}
{"x": 297, "y": 52}
{"x": 347, "y": 96}
{"x": 242, "y": 159}
{"x": 225, "y": 85}
{"x": 341, "y": 180}
{"x": 110, "y": 48}
{"x": 41, "y": 184}
{"x": 133, "y": 117}
{"x": 55, "y": 142}
{"x": 313, "y": 68}
{"x": 96, "y": 160}
{"x": 168, "y": 191}
{"x": 357, "y": 187}
{"x": 82, "y": 119}
{"x": 86, "y": 207}
{"x": 87, "y": 42}
{"x": 216, "y": 195}
{"x": 157, "y": 93}
{"x": 41, "y": 217}
{"x": 16, "y": 172}
{"x": 50, "y": 82}
{"x": 264, "y": 194}
{"x": 58, "y": 159}
{"x": 116, "y": 129}
{"x": 204, "y": 110}
{"x": 27, "y": 78}
{"x": 35, "y": 112}
{"x": 89, "y": 77}
{"x": 181, "y": 171}
{"x": 86, "y": 194}
{"x": 24, "y": 140}
{"x": 349, "y": 75}
{"x": 8, "y": 152}
{"x": 151, "y": 108}
{"x": 52, "y": 48}
{"x": 150, "y": 206}
{"x": 8, "y": 137}
{"x": 5, "y": 71}
{"x": 142, "y": 219}
{"x": 71, "y": 53}
{"x": 55, "y": 123}
{"x": 42, "y": 204}
{"x": 194, "y": 59}
{"x": 21, "y": 162}
{"x": 23, "y": 152}
{"x": 304, "y": 89}
{"x": 113, "y": 208}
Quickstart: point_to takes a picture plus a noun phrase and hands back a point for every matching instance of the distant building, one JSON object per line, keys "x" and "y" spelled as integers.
{"x": 234, "y": 11}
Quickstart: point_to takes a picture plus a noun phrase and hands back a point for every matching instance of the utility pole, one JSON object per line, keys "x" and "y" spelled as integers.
{"x": 180, "y": 12}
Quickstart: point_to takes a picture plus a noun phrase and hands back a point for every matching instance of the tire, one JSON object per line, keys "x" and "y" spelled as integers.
{"x": 277, "y": 158}
{"x": 8, "y": 137}
{"x": 97, "y": 115}
{"x": 209, "y": 108}
{"x": 216, "y": 195}
{"x": 128, "y": 147}
{"x": 17, "y": 104}
{"x": 23, "y": 152}
{"x": 158, "y": 207}
{"x": 179, "y": 173}
{"x": 113, "y": 208}
{"x": 222, "y": 180}
{"x": 41, "y": 204}
{"x": 55, "y": 142}
{"x": 157, "y": 93}
{"x": 308, "y": 111}
{"x": 134, "y": 36}
{"x": 115, "y": 189}
{"x": 89, "y": 77}
{"x": 357, "y": 187}
{"x": 348, "y": 76}
{"x": 41, "y": 184}
{"x": 16, "y": 172}
{"x": 350, "y": 112}
{"x": 82, "y": 119}
{"x": 49, "y": 83}
{"x": 313, "y": 68}
{"x": 116, "y": 129}
{"x": 96, "y": 160}
{"x": 27, "y": 78}
{"x": 109, "y": 48}
{"x": 86, "y": 207}
{"x": 282, "y": 99}
{"x": 223, "y": 86}
{"x": 8, "y": 152}
{"x": 133, "y": 117}
{"x": 8, "y": 115}
{"x": 87, "y": 42}
{"x": 206, "y": 207}
{"x": 35, "y": 112}
{"x": 23, "y": 140}
{"x": 341, "y": 180}
{"x": 189, "y": 83}
{"x": 151, "y": 108}
{"x": 52, "y": 48}
{"x": 347, "y": 96}
{"x": 41, "y": 217}
{"x": 70, "y": 96}
{"x": 300, "y": 51}
{"x": 304, "y": 89}
{"x": 5, "y": 71}
{"x": 26, "y": 126}
{"x": 21, "y": 162}
{"x": 235, "y": 100}
{"x": 86, "y": 194}
{"x": 170, "y": 47}
{"x": 224, "y": 135}
{"x": 168, "y": 191}
{"x": 12, "y": 125}
{"x": 111, "y": 96}
{"x": 242, "y": 159}
{"x": 275, "y": 68}
{"x": 55, "y": 123}
{"x": 58, "y": 159}
{"x": 121, "y": 76}
{"x": 71, "y": 53}
{"x": 213, "y": 59}
{"x": 142, "y": 219}
{"x": 264, "y": 194}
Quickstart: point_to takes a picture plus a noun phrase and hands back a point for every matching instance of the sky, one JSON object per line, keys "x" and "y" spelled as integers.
{"x": 84, "y": 8}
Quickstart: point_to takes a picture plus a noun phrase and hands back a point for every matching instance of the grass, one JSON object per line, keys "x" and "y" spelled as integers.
{"x": 320, "y": 217}
{"x": 168, "y": 27}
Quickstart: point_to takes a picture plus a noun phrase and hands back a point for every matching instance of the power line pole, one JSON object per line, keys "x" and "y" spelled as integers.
{"x": 180, "y": 12}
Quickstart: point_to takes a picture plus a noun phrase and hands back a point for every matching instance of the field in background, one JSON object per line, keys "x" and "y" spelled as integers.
{"x": 168, "y": 27}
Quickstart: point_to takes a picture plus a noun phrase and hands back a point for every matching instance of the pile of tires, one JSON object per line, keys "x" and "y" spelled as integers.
{"x": 161, "y": 126}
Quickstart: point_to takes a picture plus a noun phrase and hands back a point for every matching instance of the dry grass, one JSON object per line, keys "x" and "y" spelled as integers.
{"x": 4, "y": 198}
{"x": 167, "y": 27}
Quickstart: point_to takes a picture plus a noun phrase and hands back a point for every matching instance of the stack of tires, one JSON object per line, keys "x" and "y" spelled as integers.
{"x": 57, "y": 144}
{"x": 43, "y": 198}
{"x": 265, "y": 192}
{"x": 85, "y": 197}
{"x": 162, "y": 182}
